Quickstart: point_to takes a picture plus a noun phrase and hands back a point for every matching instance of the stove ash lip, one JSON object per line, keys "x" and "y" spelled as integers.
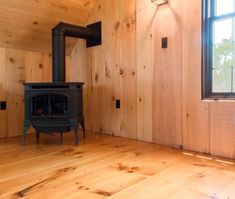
{"x": 91, "y": 33}
{"x": 47, "y": 86}
{"x": 55, "y": 83}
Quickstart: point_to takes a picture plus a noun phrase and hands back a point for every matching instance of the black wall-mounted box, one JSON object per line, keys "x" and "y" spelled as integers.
{"x": 118, "y": 104}
{"x": 164, "y": 42}
{"x": 97, "y": 41}
{"x": 3, "y": 105}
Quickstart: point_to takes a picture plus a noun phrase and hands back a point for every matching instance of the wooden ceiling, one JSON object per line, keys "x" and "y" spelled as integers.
{"x": 27, "y": 24}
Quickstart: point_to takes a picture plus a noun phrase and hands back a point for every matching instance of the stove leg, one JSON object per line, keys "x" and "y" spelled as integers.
{"x": 25, "y": 128}
{"x": 61, "y": 138}
{"x": 37, "y": 136}
{"x": 83, "y": 128}
{"x": 75, "y": 129}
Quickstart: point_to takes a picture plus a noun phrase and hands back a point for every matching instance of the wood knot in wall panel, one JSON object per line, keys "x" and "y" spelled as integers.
{"x": 11, "y": 59}
{"x": 65, "y": 9}
{"x": 87, "y": 4}
{"x": 96, "y": 77}
{"x": 21, "y": 81}
{"x": 40, "y": 66}
{"x": 117, "y": 25}
{"x": 132, "y": 21}
{"x": 107, "y": 71}
{"x": 121, "y": 71}
{"x": 129, "y": 23}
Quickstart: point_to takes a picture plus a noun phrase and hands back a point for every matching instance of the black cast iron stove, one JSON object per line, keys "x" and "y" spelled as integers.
{"x": 57, "y": 107}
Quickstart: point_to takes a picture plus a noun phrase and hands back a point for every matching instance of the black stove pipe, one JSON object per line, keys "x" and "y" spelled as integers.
{"x": 59, "y": 33}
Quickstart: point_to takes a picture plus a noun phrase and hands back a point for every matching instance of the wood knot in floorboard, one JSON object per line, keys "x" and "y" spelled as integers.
{"x": 67, "y": 151}
{"x": 128, "y": 169}
{"x": 103, "y": 193}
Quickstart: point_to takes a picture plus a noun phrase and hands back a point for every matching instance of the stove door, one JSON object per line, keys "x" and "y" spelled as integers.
{"x": 50, "y": 105}
{"x": 59, "y": 104}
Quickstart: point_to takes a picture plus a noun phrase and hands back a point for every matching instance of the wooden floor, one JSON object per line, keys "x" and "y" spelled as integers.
{"x": 109, "y": 167}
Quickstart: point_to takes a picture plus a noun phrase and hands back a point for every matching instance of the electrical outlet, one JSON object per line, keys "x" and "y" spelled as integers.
{"x": 3, "y": 105}
{"x": 118, "y": 104}
{"x": 164, "y": 42}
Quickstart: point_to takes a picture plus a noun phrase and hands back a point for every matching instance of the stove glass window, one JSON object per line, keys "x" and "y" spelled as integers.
{"x": 52, "y": 104}
{"x": 59, "y": 104}
{"x": 40, "y": 105}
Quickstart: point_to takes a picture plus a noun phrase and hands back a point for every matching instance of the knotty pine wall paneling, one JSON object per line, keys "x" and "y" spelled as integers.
{"x": 81, "y": 72}
{"x": 113, "y": 69}
{"x": 145, "y": 22}
{"x": 113, "y": 72}
{"x": 128, "y": 68}
{"x": 3, "y": 93}
{"x": 27, "y": 24}
{"x": 96, "y": 63}
{"x": 196, "y": 111}
{"x": 167, "y": 80}
{"x": 222, "y": 128}
{"x": 124, "y": 67}
{"x": 15, "y": 76}
{"x": 17, "y": 67}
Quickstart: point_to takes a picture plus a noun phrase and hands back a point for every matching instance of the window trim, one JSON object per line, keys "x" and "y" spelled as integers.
{"x": 207, "y": 35}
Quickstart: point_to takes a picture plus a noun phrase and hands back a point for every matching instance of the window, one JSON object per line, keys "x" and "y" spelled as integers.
{"x": 218, "y": 49}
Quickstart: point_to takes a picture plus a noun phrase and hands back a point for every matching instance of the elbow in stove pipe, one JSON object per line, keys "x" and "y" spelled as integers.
{"x": 91, "y": 33}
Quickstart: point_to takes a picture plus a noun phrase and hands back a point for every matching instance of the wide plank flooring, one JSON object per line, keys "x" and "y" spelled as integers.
{"x": 109, "y": 167}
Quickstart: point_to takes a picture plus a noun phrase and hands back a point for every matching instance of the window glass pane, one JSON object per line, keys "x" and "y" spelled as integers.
{"x": 221, "y": 81}
{"x": 223, "y": 54}
{"x": 222, "y": 30}
{"x": 224, "y": 7}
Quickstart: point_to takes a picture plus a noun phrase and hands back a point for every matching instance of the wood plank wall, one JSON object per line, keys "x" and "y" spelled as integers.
{"x": 16, "y": 67}
{"x": 130, "y": 65}
{"x": 167, "y": 84}
{"x": 113, "y": 70}
{"x": 196, "y": 112}
{"x": 159, "y": 89}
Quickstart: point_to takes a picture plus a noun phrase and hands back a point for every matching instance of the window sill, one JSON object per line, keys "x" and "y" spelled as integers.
{"x": 228, "y": 100}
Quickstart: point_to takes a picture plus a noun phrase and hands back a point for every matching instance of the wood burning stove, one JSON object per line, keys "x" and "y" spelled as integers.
{"x": 57, "y": 107}
{"x": 53, "y": 107}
